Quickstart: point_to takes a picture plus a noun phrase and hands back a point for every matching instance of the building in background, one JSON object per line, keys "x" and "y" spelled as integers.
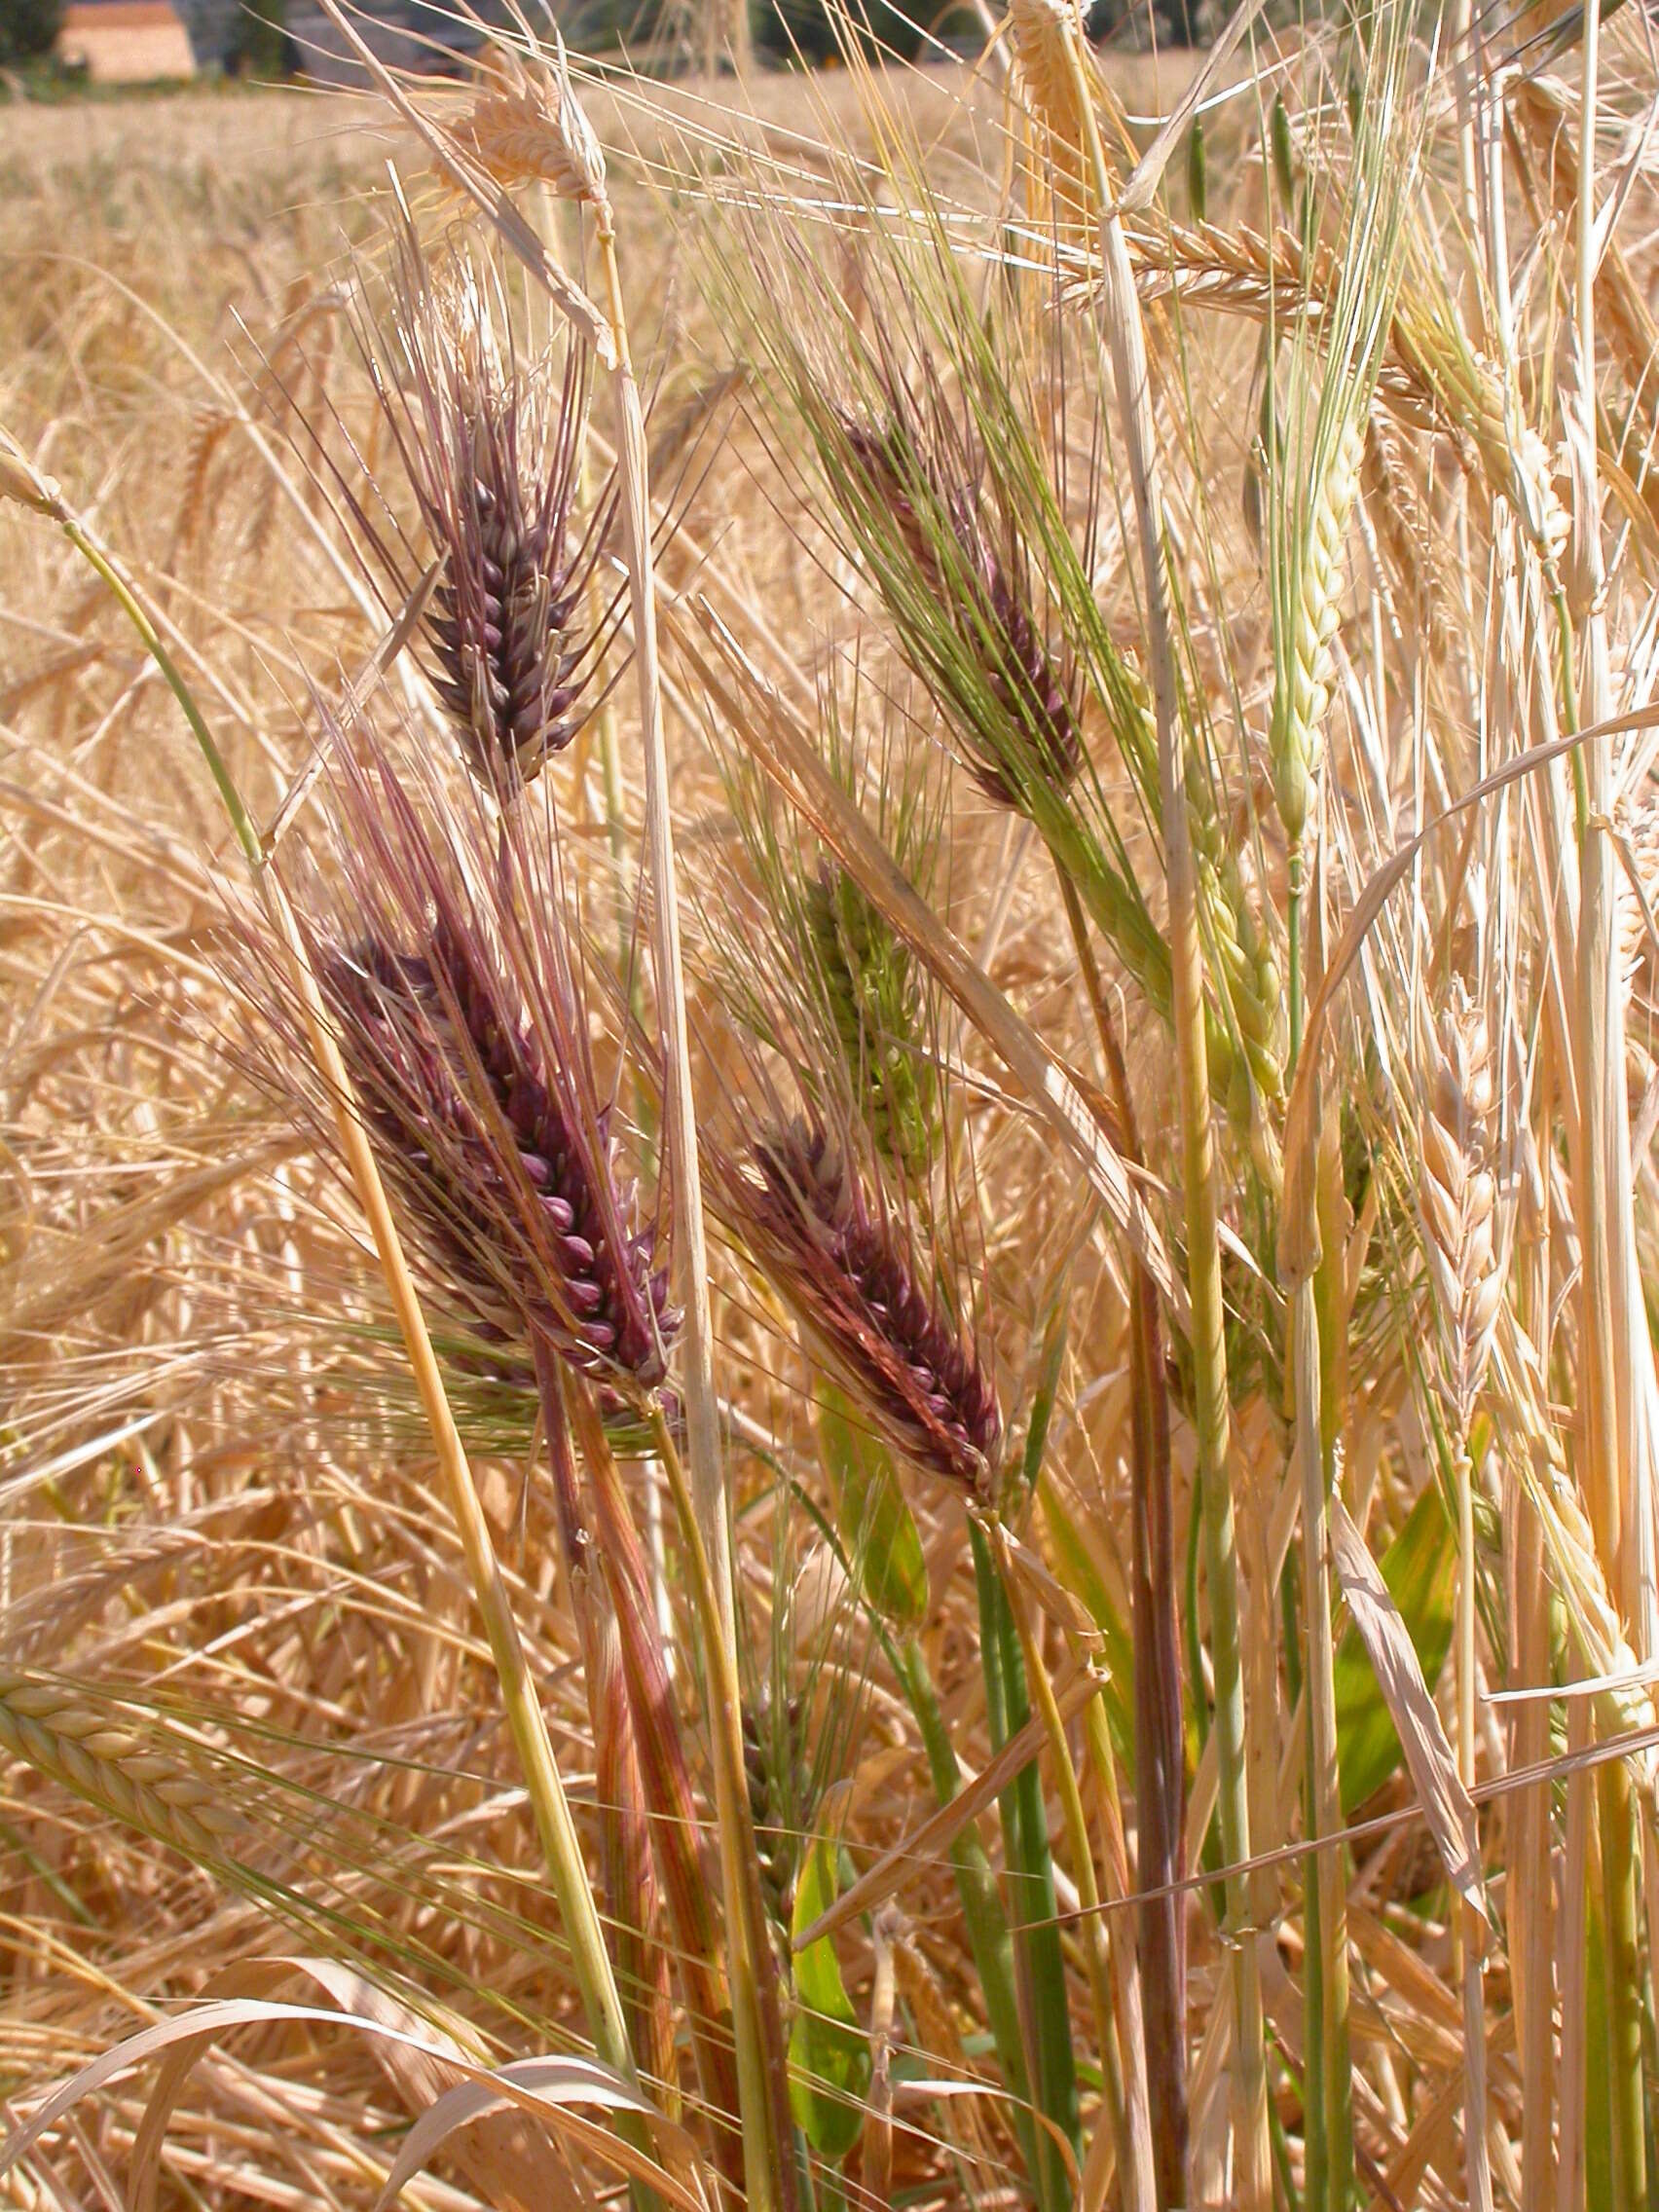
{"x": 126, "y": 42}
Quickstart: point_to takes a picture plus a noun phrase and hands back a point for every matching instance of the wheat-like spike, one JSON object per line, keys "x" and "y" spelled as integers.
{"x": 1302, "y": 690}
{"x": 1544, "y": 111}
{"x": 106, "y": 1760}
{"x": 1243, "y": 271}
{"x": 1457, "y": 1196}
{"x": 1394, "y": 504}
{"x": 1472, "y": 404}
{"x": 774, "y": 1801}
{"x": 526, "y": 126}
{"x": 1040, "y": 30}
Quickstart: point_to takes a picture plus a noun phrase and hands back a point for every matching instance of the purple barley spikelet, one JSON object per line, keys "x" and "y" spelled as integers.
{"x": 836, "y": 1257}
{"x": 1027, "y": 685}
{"x": 500, "y": 627}
{"x": 494, "y": 456}
{"x": 437, "y": 1056}
{"x": 938, "y": 524}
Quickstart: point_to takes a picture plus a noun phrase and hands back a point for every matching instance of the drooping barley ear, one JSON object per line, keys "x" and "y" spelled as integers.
{"x": 1399, "y": 513}
{"x": 526, "y": 126}
{"x": 1457, "y": 1196}
{"x": 107, "y": 1761}
{"x": 1544, "y": 110}
{"x": 961, "y": 560}
{"x": 834, "y": 1254}
{"x": 493, "y": 457}
{"x": 1302, "y": 688}
{"x": 1476, "y": 402}
{"x": 1040, "y": 30}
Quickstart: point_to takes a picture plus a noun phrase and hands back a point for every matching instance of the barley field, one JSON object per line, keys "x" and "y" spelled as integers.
{"x": 828, "y": 917}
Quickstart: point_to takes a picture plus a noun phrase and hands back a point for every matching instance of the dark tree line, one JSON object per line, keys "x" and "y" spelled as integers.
{"x": 27, "y": 29}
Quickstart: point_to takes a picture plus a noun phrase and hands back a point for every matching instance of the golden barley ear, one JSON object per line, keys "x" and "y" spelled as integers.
{"x": 105, "y": 1760}
{"x": 1458, "y": 1192}
{"x": 526, "y": 126}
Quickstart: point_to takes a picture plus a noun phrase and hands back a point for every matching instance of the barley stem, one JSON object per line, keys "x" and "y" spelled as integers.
{"x": 1159, "y": 1752}
{"x": 768, "y": 2144}
{"x": 762, "y": 2076}
{"x": 1199, "y": 1175}
{"x": 982, "y": 1901}
{"x": 1038, "y": 1964}
{"x": 1123, "y": 2067}
{"x": 1324, "y": 1878}
{"x": 1615, "y": 1333}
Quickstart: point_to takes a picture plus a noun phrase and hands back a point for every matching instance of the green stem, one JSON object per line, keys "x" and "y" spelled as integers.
{"x": 240, "y": 820}
{"x": 1189, "y": 1013}
{"x": 1125, "y": 2098}
{"x": 1330, "y": 2178}
{"x": 1329, "y": 2105}
{"x": 981, "y": 1902}
{"x": 1617, "y": 1812}
{"x": 1036, "y": 1948}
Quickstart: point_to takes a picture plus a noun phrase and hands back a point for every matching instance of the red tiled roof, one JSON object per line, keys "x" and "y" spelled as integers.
{"x": 118, "y": 14}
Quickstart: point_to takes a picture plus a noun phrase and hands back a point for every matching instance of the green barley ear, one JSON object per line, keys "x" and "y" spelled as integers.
{"x": 773, "y": 1762}
{"x": 859, "y": 1014}
{"x": 1306, "y": 624}
{"x": 872, "y": 994}
{"x": 1246, "y": 967}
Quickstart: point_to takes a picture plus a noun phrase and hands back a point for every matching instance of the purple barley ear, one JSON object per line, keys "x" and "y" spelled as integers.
{"x": 509, "y": 662}
{"x": 494, "y": 458}
{"x": 857, "y": 1294}
{"x": 1030, "y": 687}
{"x": 514, "y": 1202}
{"x": 892, "y": 474}
{"x": 1040, "y": 738}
